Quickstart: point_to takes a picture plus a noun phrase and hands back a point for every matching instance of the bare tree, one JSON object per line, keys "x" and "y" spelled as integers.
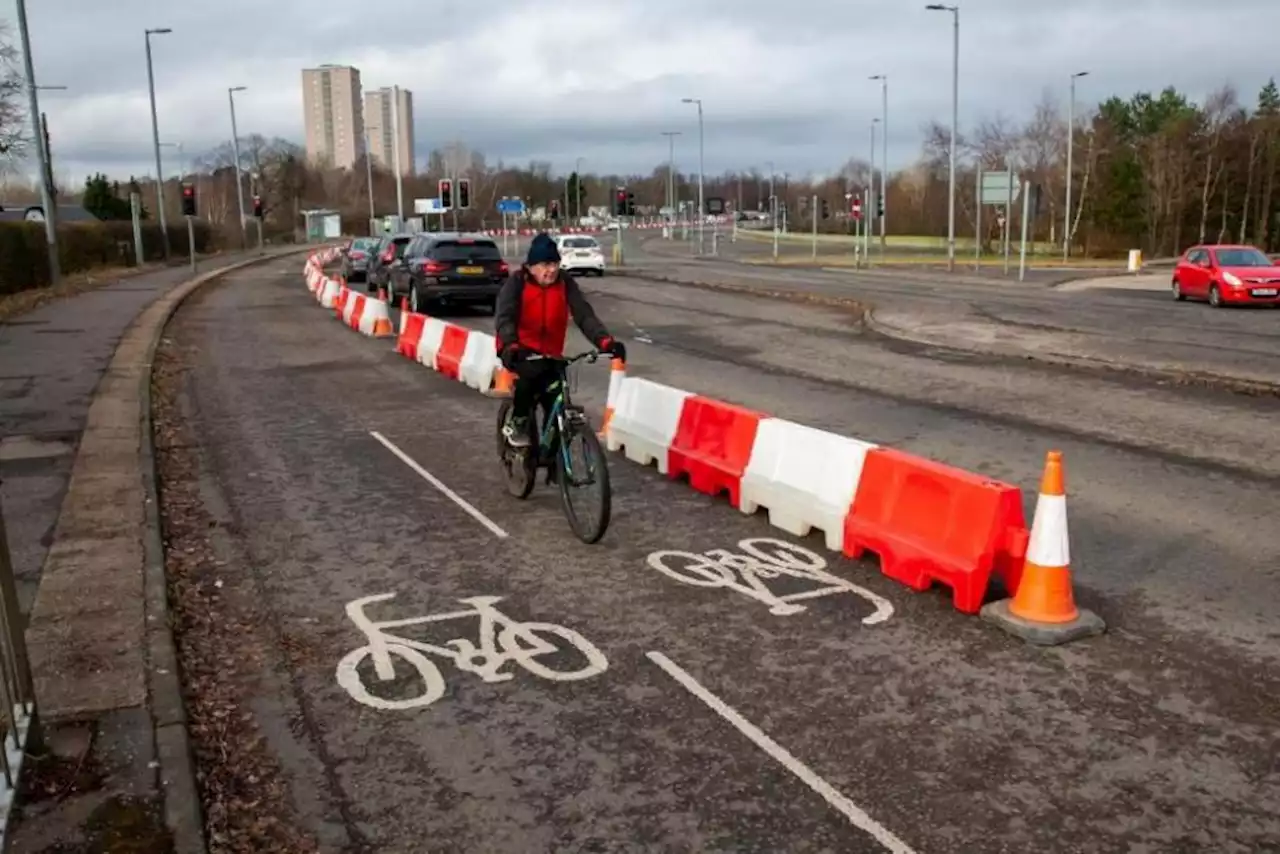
{"x": 14, "y": 136}
{"x": 1218, "y": 109}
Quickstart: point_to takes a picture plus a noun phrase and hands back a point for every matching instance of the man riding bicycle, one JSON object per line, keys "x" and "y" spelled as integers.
{"x": 532, "y": 317}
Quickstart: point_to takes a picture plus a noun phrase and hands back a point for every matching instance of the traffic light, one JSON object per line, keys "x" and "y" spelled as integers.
{"x": 880, "y": 206}
{"x": 554, "y": 209}
{"x": 631, "y": 203}
{"x": 257, "y": 206}
{"x": 446, "y": 194}
{"x": 620, "y": 203}
{"x": 826, "y": 210}
{"x": 464, "y": 193}
{"x": 188, "y": 199}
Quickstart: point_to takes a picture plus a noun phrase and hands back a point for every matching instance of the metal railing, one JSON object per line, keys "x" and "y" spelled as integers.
{"x": 17, "y": 694}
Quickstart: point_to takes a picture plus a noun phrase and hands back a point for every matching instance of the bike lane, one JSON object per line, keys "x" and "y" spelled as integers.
{"x": 293, "y": 413}
{"x": 719, "y": 724}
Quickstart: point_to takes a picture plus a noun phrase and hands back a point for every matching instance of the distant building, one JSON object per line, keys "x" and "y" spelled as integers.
{"x": 390, "y": 135}
{"x": 333, "y": 115}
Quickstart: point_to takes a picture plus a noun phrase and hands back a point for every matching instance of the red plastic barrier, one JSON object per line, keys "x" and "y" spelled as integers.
{"x": 930, "y": 522}
{"x": 712, "y": 445}
{"x": 449, "y": 356}
{"x": 411, "y": 334}
{"x": 358, "y": 311}
{"x": 341, "y": 302}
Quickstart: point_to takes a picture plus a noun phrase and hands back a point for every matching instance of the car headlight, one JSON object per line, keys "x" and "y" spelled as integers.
{"x": 1232, "y": 279}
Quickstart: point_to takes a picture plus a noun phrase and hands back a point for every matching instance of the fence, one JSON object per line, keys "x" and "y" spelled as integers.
{"x": 17, "y": 696}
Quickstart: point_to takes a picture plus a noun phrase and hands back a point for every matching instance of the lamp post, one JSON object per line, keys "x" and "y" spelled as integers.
{"x": 1071, "y": 136}
{"x": 955, "y": 120}
{"x": 701, "y": 167}
{"x": 671, "y": 174}
{"x": 155, "y": 138}
{"x": 235, "y": 151}
{"x": 46, "y": 191}
{"x": 884, "y": 156}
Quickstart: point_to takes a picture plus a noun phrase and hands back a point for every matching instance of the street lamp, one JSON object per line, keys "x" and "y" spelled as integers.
{"x": 235, "y": 152}
{"x": 884, "y": 155}
{"x": 577, "y": 190}
{"x": 701, "y": 164}
{"x": 48, "y": 146}
{"x": 1071, "y": 136}
{"x": 866, "y": 242}
{"x": 955, "y": 120}
{"x": 155, "y": 138}
{"x": 46, "y": 191}
{"x": 671, "y": 174}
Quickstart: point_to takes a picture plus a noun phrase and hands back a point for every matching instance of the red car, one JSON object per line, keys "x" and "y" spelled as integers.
{"x": 1227, "y": 275}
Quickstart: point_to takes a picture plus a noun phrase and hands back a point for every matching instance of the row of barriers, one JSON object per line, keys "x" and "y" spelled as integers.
{"x": 929, "y": 523}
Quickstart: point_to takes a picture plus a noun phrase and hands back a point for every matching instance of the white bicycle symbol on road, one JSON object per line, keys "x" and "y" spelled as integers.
{"x": 765, "y": 559}
{"x": 501, "y": 640}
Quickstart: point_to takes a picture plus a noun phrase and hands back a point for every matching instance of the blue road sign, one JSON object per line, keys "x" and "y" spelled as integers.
{"x": 511, "y": 206}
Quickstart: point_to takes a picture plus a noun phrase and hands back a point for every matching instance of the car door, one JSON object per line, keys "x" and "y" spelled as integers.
{"x": 1196, "y": 274}
{"x": 400, "y": 273}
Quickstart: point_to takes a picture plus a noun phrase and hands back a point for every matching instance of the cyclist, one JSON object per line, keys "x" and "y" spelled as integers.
{"x": 532, "y": 316}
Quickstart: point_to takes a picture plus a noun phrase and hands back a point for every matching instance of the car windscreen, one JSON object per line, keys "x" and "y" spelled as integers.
{"x": 365, "y": 244}
{"x": 580, "y": 243}
{"x": 1245, "y": 257}
{"x": 479, "y": 250}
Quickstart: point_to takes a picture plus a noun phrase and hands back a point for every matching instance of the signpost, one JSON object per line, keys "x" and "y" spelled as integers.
{"x": 998, "y": 189}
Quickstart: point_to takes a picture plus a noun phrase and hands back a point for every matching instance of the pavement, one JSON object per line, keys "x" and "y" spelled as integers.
{"x": 81, "y": 514}
{"x": 615, "y": 705}
{"x": 1115, "y": 323}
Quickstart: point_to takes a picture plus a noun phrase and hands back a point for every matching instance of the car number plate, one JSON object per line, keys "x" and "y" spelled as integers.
{"x": 471, "y": 271}
{"x": 1264, "y": 292}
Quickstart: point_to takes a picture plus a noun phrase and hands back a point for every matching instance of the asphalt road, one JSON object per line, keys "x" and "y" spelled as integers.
{"x": 1112, "y": 325}
{"x": 705, "y": 721}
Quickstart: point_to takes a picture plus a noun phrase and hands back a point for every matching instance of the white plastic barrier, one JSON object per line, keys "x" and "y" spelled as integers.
{"x": 805, "y": 477}
{"x": 645, "y": 420}
{"x": 329, "y": 293}
{"x": 479, "y": 361}
{"x": 432, "y": 338}
{"x": 375, "y": 320}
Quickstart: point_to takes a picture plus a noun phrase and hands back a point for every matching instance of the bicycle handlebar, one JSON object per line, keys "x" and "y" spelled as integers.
{"x": 590, "y": 356}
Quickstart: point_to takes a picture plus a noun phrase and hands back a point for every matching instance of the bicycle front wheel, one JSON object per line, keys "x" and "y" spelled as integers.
{"x": 519, "y": 465}
{"x": 583, "y": 474}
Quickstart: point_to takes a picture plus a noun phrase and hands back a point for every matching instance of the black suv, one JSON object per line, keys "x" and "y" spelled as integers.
{"x": 449, "y": 268}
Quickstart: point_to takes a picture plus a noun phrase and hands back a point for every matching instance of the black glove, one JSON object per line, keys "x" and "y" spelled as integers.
{"x": 614, "y": 348}
{"x": 511, "y": 355}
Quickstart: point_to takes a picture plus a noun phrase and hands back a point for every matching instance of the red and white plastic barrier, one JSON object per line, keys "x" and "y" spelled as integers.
{"x": 927, "y": 522}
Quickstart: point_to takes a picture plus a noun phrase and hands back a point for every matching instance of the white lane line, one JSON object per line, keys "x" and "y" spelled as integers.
{"x": 846, "y": 807}
{"x": 435, "y": 481}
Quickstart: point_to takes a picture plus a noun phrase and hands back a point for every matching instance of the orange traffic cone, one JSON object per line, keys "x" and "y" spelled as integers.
{"x": 1043, "y": 608}
{"x": 617, "y": 373}
{"x": 504, "y": 383}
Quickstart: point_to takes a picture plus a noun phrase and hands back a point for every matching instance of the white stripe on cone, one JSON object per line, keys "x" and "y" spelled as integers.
{"x": 1050, "y": 543}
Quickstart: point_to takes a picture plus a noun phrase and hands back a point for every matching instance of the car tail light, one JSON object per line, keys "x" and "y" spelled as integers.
{"x": 503, "y": 268}
{"x": 432, "y": 268}
{"x": 389, "y": 256}
{"x": 356, "y": 253}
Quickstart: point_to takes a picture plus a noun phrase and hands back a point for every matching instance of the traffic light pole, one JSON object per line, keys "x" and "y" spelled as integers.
{"x": 191, "y": 241}
{"x": 814, "y": 216}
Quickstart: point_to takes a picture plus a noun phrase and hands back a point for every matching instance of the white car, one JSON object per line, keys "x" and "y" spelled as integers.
{"x": 580, "y": 253}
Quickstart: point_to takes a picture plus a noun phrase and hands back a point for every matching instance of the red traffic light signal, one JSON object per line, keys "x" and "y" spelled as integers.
{"x": 188, "y": 199}
{"x": 257, "y": 206}
{"x": 446, "y": 194}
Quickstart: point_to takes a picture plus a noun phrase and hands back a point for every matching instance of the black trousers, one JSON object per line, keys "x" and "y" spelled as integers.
{"x": 533, "y": 388}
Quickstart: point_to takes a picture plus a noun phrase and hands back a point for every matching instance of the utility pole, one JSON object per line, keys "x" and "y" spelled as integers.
{"x": 955, "y": 121}
{"x": 368, "y": 171}
{"x": 395, "y": 161}
{"x": 155, "y": 140}
{"x": 46, "y": 189}
{"x": 884, "y": 159}
{"x": 671, "y": 175}
{"x": 235, "y": 151}
{"x": 701, "y": 171}
{"x": 1071, "y": 136}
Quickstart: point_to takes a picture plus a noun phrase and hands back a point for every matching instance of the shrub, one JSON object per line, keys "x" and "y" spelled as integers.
{"x": 24, "y": 260}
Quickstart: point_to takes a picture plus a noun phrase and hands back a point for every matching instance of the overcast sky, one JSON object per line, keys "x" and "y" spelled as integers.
{"x": 551, "y": 80}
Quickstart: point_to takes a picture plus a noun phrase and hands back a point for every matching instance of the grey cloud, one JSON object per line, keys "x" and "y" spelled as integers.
{"x": 784, "y": 82}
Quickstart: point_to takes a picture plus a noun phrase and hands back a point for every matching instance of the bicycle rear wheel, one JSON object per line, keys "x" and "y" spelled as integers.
{"x": 520, "y": 465}
{"x": 586, "y": 471}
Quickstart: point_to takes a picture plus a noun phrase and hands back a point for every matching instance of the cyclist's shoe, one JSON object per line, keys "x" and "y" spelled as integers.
{"x": 552, "y": 474}
{"x": 516, "y": 432}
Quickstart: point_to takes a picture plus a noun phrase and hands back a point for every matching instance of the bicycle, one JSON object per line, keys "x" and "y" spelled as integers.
{"x": 564, "y": 426}
{"x": 501, "y": 639}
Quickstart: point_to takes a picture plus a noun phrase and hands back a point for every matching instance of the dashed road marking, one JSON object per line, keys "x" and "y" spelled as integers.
{"x": 856, "y": 816}
{"x": 493, "y": 526}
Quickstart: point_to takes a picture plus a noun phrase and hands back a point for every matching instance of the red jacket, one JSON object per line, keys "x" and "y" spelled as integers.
{"x": 536, "y": 317}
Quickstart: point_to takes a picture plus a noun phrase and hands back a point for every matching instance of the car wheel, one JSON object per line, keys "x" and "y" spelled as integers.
{"x": 1177, "y": 291}
{"x": 1215, "y": 296}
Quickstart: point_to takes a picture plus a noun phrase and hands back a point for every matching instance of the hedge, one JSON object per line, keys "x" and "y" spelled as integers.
{"x": 24, "y": 256}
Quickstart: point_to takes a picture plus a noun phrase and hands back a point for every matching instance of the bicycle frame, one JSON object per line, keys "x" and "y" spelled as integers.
{"x": 484, "y": 660}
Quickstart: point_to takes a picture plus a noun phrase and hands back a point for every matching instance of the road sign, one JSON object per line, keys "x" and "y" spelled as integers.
{"x": 427, "y": 206}
{"x": 996, "y": 188}
{"x": 511, "y": 206}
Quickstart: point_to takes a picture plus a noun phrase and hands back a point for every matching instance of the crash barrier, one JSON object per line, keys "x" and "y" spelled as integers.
{"x": 927, "y": 522}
